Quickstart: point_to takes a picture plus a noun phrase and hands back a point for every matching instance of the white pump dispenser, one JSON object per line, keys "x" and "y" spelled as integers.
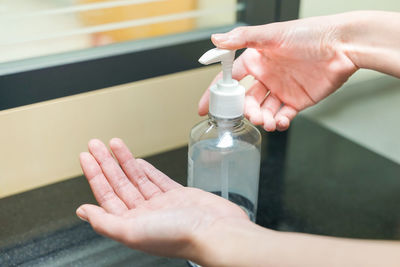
{"x": 227, "y": 95}
{"x": 224, "y": 150}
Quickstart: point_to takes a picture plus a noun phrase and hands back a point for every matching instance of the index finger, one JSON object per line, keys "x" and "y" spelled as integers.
{"x": 258, "y": 36}
{"x": 133, "y": 170}
{"x": 101, "y": 188}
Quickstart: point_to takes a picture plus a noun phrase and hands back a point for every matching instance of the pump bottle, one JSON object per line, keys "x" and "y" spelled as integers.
{"x": 224, "y": 150}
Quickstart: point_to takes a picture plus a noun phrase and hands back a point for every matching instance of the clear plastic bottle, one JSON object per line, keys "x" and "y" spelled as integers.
{"x": 224, "y": 158}
{"x": 224, "y": 151}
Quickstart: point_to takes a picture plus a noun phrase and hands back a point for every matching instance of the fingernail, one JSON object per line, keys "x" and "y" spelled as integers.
{"x": 219, "y": 38}
{"x": 81, "y": 214}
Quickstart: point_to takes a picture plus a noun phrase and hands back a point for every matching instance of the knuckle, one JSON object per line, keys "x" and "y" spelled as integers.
{"x": 165, "y": 185}
{"x": 153, "y": 194}
{"x": 107, "y": 161}
{"x": 140, "y": 180}
{"x": 129, "y": 161}
{"x": 137, "y": 201}
{"x": 239, "y": 31}
{"x": 107, "y": 196}
{"x": 122, "y": 183}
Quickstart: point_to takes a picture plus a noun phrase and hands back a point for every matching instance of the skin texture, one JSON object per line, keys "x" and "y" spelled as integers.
{"x": 143, "y": 208}
{"x": 303, "y": 61}
{"x": 300, "y": 62}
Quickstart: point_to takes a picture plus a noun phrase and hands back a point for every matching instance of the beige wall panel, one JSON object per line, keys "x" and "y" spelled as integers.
{"x": 40, "y": 143}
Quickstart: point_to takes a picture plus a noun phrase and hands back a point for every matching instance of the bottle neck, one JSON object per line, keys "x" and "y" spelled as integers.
{"x": 226, "y": 123}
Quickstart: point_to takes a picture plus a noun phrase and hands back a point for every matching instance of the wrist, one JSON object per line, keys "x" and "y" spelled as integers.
{"x": 232, "y": 243}
{"x": 368, "y": 42}
{"x": 350, "y": 28}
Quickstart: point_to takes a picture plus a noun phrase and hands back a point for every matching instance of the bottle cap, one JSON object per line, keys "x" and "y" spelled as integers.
{"x": 227, "y": 95}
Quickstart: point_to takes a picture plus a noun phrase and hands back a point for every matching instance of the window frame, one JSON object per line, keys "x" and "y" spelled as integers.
{"x": 34, "y": 80}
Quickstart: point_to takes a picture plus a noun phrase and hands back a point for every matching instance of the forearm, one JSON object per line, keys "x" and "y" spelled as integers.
{"x": 371, "y": 39}
{"x": 252, "y": 245}
{"x": 313, "y": 250}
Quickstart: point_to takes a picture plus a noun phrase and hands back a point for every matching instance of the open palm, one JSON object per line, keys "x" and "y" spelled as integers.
{"x": 143, "y": 208}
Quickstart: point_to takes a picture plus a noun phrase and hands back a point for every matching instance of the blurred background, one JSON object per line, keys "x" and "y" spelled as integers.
{"x": 152, "y": 115}
{"x": 36, "y": 28}
{"x": 72, "y": 70}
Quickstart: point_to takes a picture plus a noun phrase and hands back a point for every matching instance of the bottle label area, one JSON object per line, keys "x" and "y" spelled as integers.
{"x": 231, "y": 172}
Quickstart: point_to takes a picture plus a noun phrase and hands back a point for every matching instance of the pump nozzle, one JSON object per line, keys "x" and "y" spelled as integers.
{"x": 227, "y": 95}
{"x": 226, "y": 57}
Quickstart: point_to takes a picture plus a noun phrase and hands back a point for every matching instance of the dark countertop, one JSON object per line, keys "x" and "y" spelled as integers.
{"x": 312, "y": 180}
{"x": 40, "y": 228}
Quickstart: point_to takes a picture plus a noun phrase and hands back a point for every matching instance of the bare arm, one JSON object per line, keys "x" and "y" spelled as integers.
{"x": 146, "y": 210}
{"x": 301, "y": 62}
{"x": 372, "y": 39}
{"x": 252, "y": 245}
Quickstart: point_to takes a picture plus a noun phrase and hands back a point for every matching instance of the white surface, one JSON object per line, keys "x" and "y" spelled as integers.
{"x": 309, "y": 8}
{"x": 367, "y": 112}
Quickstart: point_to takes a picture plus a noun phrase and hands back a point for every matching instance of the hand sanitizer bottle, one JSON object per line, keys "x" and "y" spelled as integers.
{"x": 224, "y": 150}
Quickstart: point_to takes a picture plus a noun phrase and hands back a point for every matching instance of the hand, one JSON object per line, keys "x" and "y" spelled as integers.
{"x": 144, "y": 209}
{"x": 300, "y": 62}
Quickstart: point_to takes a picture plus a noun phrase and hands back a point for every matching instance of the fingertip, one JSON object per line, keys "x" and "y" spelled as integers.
{"x": 240, "y": 37}
{"x": 253, "y": 111}
{"x": 235, "y": 39}
{"x": 116, "y": 142}
{"x": 283, "y": 123}
{"x": 202, "y": 111}
{"x": 141, "y": 161}
{"x": 203, "y": 107}
{"x": 83, "y": 155}
{"x": 86, "y": 159}
{"x": 269, "y": 123}
{"x": 255, "y": 121}
{"x": 270, "y": 126}
{"x": 219, "y": 38}
{"x": 256, "y": 118}
{"x": 98, "y": 218}
{"x": 81, "y": 213}
{"x": 90, "y": 210}
{"x": 94, "y": 143}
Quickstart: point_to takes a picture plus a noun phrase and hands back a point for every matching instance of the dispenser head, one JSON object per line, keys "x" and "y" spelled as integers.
{"x": 226, "y": 57}
{"x": 227, "y": 95}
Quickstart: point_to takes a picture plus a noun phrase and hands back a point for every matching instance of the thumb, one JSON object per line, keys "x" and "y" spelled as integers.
{"x": 102, "y": 222}
{"x": 246, "y": 37}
